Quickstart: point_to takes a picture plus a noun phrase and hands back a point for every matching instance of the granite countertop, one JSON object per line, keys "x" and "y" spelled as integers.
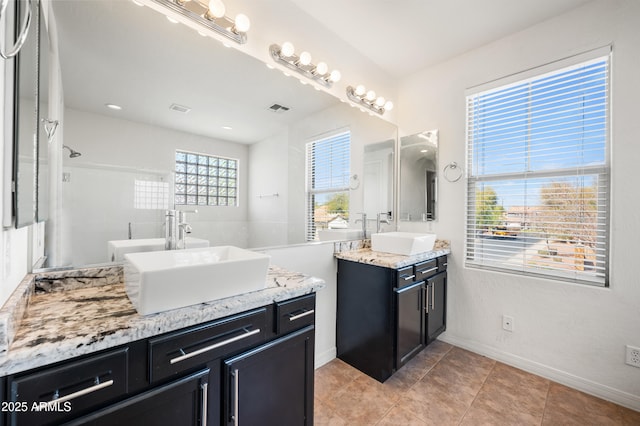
{"x": 393, "y": 261}
{"x": 57, "y": 316}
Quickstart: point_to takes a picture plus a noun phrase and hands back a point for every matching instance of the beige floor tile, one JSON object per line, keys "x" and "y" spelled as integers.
{"x": 364, "y": 401}
{"x": 333, "y": 378}
{"x": 397, "y": 416}
{"x": 324, "y": 416}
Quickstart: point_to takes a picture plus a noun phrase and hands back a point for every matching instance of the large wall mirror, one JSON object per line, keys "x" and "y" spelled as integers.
{"x": 419, "y": 177}
{"x": 26, "y": 117}
{"x": 178, "y": 90}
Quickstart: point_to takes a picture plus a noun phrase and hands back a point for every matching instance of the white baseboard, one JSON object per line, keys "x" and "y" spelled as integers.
{"x": 324, "y": 357}
{"x": 592, "y": 388}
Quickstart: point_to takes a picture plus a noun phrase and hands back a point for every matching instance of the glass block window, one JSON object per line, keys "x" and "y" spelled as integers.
{"x": 150, "y": 195}
{"x": 205, "y": 180}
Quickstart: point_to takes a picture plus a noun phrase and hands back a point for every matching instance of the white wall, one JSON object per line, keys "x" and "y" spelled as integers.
{"x": 97, "y": 202}
{"x": 574, "y": 334}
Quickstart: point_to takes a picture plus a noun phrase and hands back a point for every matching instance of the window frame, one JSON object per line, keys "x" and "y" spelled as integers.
{"x": 213, "y": 161}
{"x": 600, "y": 171}
{"x": 311, "y": 191}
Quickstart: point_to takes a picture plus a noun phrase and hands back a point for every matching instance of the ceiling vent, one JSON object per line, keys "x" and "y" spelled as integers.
{"x": 180, "y": 108}
{"x": 278, "y": 108}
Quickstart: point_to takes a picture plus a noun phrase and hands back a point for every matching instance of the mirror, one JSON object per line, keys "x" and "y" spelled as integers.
{"x": 26, "y": 120}
{"x": 146, "y": 66}
{"x": 419, "y": 177}
{"x": 378, "y": 179}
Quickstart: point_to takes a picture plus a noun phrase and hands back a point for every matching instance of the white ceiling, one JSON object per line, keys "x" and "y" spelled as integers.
{"x": 405, "y": 36}
{"x": 116, "y": 52}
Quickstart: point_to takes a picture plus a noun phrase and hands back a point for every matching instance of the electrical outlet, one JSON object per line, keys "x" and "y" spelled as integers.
{"x": 633, "y": 356}
{"x": 507, "y": 323}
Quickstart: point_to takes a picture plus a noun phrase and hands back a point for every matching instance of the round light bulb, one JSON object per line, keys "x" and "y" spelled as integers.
{"x": 335, "y": 76}
{"x": 242, "y": 23}
{"x": 380, "y": 101}
{"x": 321, "y": 68}
{"x": 287, "y": 49}
{"x": 305, "y": 58}
{"x": 388, "y": 105}
{"x": 360, "y": 90}
{"x": 216, "y": 9}
{"x": 371, "y": 95}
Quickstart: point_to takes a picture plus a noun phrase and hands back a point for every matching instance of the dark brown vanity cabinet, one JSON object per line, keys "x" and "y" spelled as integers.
{"x": 386, "y": 316}
{"x": 258, "y": 364}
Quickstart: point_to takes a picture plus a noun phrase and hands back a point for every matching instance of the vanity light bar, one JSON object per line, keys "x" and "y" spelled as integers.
{"x": 302, "y": 64}
{"x": 197, "y": 12}
{"x": 368, "y": 99}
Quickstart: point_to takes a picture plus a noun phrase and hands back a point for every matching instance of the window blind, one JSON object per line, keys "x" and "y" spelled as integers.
{"x": 328, "y": 173}
{"x": 538, "y": 175}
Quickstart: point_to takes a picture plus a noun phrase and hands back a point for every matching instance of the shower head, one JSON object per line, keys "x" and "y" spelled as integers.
{"x": 72, "y": 152}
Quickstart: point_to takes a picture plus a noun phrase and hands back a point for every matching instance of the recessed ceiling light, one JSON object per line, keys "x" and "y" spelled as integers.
{"x": 424, "y": 150}
{"x": 137, "y": 3}
{"x": 113, "y": 106}
{"x": 172, "y": 19}
{"x": 227, "y": 127}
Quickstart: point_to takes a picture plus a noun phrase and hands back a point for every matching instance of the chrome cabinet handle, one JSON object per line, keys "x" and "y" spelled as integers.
{"x": 408, "y": 277}
{"x": 304, "y": 314}
{"x": 428, "y": 270}
{"x": 24, "y": 32}
{"x": 433, "y": 296}
{"x": 214, "y": 346}
{"x": 426, "y": 300}
{"x": 236, "y": 383}
{"x": 205, "y": 402}
{"x": 77, "y": 394}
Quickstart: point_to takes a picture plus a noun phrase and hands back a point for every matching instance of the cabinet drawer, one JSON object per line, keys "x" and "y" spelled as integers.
{"x": 426, "y": 269}
{"x": 442, "y": 263}
{"x": 295, "y": 313}
{"x": 405, "y": 276}
{"x": 188, "y": 349}
{"x": 70, "y": 389}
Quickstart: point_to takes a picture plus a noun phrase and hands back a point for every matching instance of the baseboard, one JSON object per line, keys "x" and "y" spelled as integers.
{"x": 592, "y": 388}
{"x": 324, "y": 357}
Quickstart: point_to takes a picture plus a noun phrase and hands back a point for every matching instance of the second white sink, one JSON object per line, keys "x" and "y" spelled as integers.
{"x": 405, "y": 243}
{"x": 164, "y": 280}
{"x": 116, "y": 249}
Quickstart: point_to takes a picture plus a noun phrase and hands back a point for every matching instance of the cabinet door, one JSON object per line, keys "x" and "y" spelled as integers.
{"x": 182, "y": 402}
{"x": 437, "y": 296}
{"x": 272, "y": 384}
{"x": 410, "y": 317}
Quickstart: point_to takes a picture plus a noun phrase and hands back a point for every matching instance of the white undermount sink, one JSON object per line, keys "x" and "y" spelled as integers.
{"x": 405, "y": 243}
{"x": 116, "y": 249}
{"x": 339, "y": 234}
{"x": 164, "y": 280}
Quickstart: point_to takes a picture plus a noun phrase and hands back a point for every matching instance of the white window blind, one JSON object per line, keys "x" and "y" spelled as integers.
{"x": 328, "y": 165}
{"x": 538, "y": 175}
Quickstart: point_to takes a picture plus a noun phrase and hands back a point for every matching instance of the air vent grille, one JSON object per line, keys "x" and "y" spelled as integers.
{"x": 180, "y": 108}
{"x": 278, "y": 108}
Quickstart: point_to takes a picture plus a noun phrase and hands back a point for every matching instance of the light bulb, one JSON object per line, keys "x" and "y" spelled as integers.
{"x": 287, "y": 49}
{"x": 321, "y": 68}
{"x": 380, "y": 101}
{"x": 216, "y": 9}
{"x": 371, "y": 95}
{"x": 360, "y": 90}
{"x": 242, "y": 23}
{"x": 388, "y": 106}
{"x": 305, "y": 58}
{"x": 335, "y": 76}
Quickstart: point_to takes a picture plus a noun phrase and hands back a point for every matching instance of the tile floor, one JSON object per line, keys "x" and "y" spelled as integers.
{"x": 446, "y": 385}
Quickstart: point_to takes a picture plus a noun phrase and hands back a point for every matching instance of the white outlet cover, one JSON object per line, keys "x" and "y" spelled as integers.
{"x": 633, "y": 356}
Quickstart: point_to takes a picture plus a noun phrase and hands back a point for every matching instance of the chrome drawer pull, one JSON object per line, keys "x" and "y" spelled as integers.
{"x": 214, "y": 346}
{"x": 408, "y": 277}
{"x": 77, "y": 394}
{"x": 304, "y": 314}
{"x": 429, "y": 270}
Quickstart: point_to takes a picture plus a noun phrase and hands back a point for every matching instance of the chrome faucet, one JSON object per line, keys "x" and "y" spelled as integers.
{"x": 364, "y": 224}
{"x": 175, "y": 229}
{"x": 379, "y": 221}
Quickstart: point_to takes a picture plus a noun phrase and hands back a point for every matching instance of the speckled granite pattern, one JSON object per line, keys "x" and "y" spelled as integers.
{"x": 394, "y": 261}
{"x": 72, "y": 320}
